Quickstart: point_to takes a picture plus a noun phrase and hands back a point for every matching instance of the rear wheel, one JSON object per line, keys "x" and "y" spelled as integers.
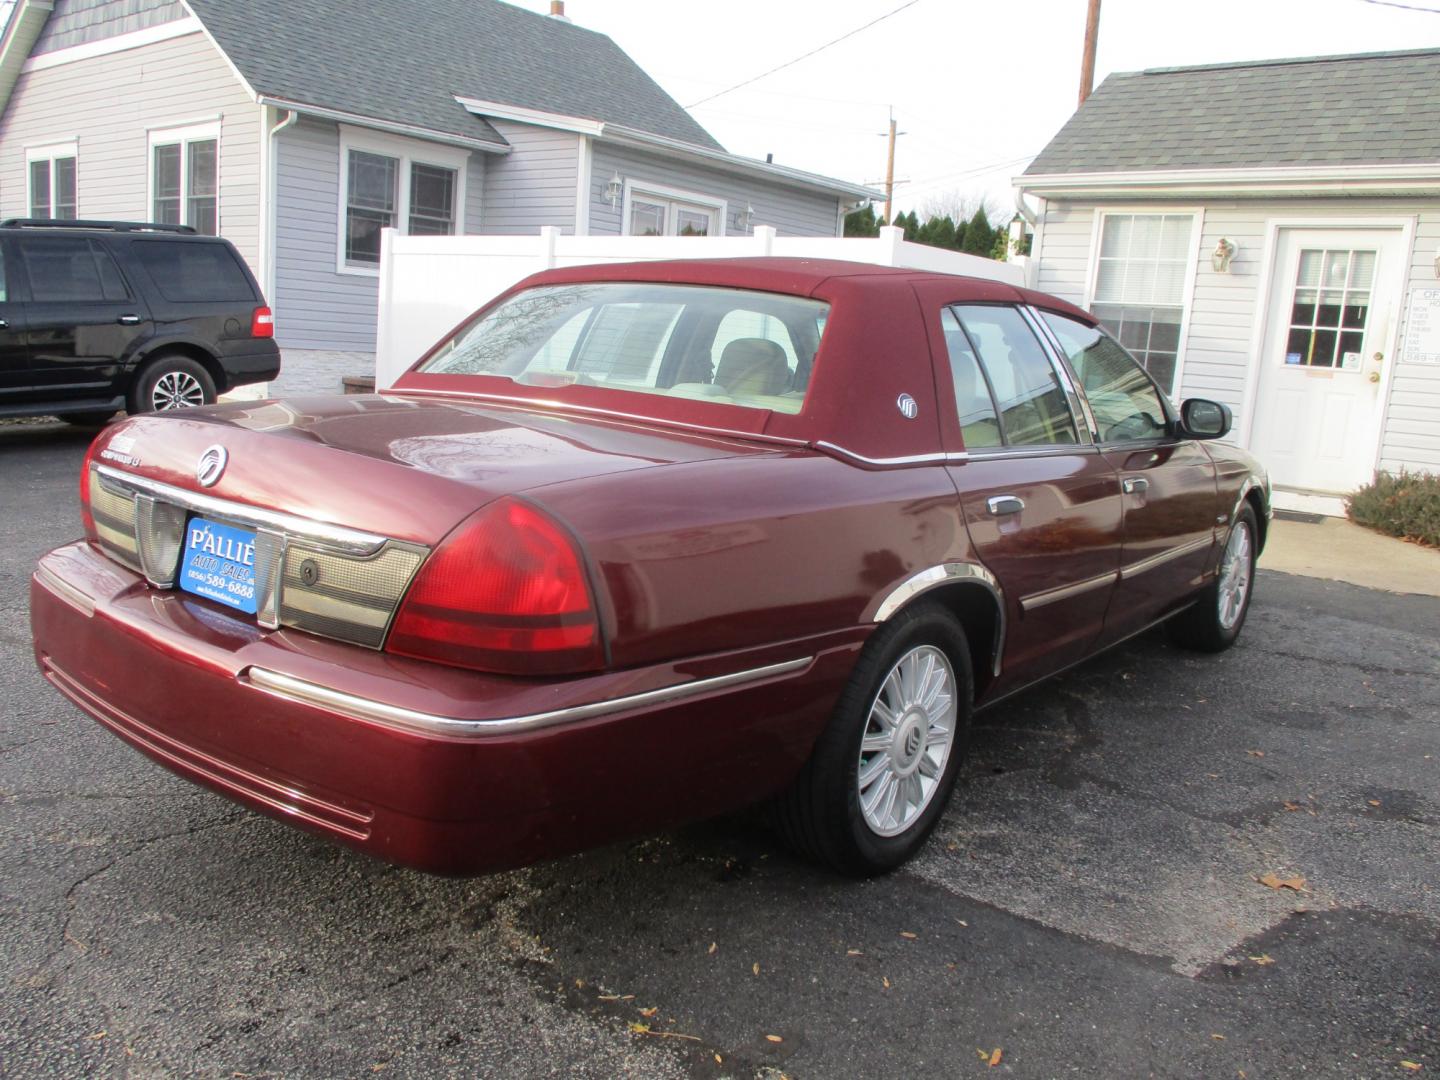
{"x": 881, "y": 773}
{"x": 1215, "y": 620}
{"x": 171, "y": 382}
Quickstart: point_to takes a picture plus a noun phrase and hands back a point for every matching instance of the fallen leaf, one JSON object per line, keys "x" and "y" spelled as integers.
{"x": 579, "y": 984}
{"x": 995, "y": 1057}
{"x": 886, "y": 980}
{"x": 774, "y": 1039}
{"x": 983, "y": 1055}
{"x": 1291, "y": 805}
{"x": 719, "y": 1060}
{"x": 1220, "y": 1037}
{"x": 755, "y": 967}
{"x": 1264, "y": 959}
{"x": 639, "y": 1028}
{"x": 99, "y": 1035}
{"x": 962, "y": 922}
{"x": 609, "y": 997}
{"x": 952, "y": 846}
{"x": 1413, "y": 1066}
{"x": 907, "y": 935}
{"x": 1212, "y": 776}
{"x": 1296, "y": 883}
{"x": 1374, "y": 802}
{"x": 713, "y": 947}
{"x": 853, "y": 952}
{"x": 647, "y": 1013}
{"x": 1255, "y": 753}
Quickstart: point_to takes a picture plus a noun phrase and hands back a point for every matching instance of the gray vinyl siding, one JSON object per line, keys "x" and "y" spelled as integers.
{"x": 108, "y": 104}
{"x": 791, "y": 211}
{"x": 317, "y": 307}
{"x": 1223, "y": 309}
{"x": 534, "y": 184}
{"x": 79, "y": 22}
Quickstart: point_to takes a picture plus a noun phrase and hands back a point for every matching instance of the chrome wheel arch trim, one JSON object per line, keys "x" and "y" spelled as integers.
{"x": 957, "y": 572}
{"x": 305, "y": 692}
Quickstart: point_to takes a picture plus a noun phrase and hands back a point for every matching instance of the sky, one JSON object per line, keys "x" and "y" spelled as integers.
{"x": 978, "y": 87}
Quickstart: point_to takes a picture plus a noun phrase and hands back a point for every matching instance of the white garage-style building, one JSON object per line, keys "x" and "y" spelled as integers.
{"x": 1266, "y": 235}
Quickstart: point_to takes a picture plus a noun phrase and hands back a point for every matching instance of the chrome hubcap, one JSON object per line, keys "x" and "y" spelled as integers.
{"x": 1235, "y": 576}
{"x": 907, "y": 742}
{"x": 176, "y": 390}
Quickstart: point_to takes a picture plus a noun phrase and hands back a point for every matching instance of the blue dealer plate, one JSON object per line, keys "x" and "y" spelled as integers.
{"x": 219, "y": 563}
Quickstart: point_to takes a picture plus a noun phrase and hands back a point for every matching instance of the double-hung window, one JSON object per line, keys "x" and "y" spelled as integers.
{"x": 658, "y": 211}
{"x": 185, "y": 177}
{"x": 1140, "y": 276}
{"x": 392, "y": 183}
{"x": 50, "y": 180}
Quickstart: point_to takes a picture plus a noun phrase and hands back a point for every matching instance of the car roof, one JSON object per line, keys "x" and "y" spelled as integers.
{"x": 797, "y": 276}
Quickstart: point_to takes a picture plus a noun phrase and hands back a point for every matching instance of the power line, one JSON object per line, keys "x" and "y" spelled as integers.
{"x": 1402, "y": 7}
{"x": 812, "y": 52}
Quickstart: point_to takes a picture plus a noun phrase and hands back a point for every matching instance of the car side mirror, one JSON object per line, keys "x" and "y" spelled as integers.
{"x": 1204, "y": 419}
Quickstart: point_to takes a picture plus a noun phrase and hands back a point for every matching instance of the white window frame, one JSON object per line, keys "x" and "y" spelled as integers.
{"x": 1187, "y": 299}
{"x": 407, "y": 152}
{"x": 660, "y": 193}
{"x": 183, "y": 136}
{"x": 50, "y": 152}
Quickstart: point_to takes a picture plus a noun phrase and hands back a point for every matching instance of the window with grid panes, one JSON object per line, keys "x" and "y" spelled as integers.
{"x": 1330, "y": 308}
{"x": 1140, "y": 286}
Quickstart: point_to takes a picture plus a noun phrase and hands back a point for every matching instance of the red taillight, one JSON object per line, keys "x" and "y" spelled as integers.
{"x": 262, "y": 323}
{"x": 86, "y": 518}
{"x": 506, "y": 592}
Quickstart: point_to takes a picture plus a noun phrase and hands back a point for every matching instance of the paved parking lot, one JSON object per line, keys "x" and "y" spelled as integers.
{"x": 1092, "y": 904}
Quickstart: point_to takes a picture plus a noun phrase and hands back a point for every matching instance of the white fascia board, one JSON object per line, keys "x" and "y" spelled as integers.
{"x": 498, "y": 111}
{"x": 27, "y": 19}
{"x": 1279, "y": 180}
{"x": 734, "y": 163}
{"x": 391, "y": 126}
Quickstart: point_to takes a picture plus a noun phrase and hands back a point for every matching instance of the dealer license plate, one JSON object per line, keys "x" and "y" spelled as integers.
{"x": 219, "y": 563}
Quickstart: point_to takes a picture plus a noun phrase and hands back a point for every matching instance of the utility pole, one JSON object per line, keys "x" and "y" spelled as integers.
{"x": 890, "y": 173}
{"x": 1087, "y": 61}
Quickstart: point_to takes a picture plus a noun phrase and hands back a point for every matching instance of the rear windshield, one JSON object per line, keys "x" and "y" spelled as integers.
{"x": 726, "y": 345}
{"x": 194, "y": 272}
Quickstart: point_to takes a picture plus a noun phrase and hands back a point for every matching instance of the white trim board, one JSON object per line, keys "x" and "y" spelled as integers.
{"x": 584, "y": 167}
{"x": 119, "y": 43}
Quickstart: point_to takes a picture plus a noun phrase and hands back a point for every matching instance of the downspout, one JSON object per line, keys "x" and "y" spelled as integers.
{"x": 271, "y": 209}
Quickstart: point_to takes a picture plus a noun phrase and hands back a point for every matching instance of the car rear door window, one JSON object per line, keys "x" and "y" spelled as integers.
{"x": 191, "y": 272}
{"x": 70, "y": 269}
{"x": 1123, "y": 399}
{"x": 1032, "y": 405}
{"x": 979, "y": 424}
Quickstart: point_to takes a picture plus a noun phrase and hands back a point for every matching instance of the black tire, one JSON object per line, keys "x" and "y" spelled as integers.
{"x": 87, "y": 419}
{"x": 820, "y": 814}
{"x": 1202, "y": 626}
{"x": 181, "y": 382}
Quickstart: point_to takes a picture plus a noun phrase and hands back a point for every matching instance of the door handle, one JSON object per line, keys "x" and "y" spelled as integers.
{"x": 4, "y": 324}
{"x": 1000, "y": 505}
{"x": 1135, "y": 485}
{"x": 128, "y": 320}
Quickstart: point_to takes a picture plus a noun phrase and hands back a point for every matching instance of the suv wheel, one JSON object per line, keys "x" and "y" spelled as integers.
{"x": 171, "y": 382}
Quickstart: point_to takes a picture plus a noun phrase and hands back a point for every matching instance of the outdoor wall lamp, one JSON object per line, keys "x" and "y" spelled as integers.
{"x": 1221, "y": 256}
{"x": 744, "y": 217}
{"x": 614, "y": 189}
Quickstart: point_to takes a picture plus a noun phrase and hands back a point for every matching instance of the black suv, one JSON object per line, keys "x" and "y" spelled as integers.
{"x": 98, "y": 316}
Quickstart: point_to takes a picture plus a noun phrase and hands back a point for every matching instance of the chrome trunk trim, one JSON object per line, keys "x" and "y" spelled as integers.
{"x": 358, "y": 708}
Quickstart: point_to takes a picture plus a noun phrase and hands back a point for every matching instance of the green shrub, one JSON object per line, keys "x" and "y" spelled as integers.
{"x": 1407, "y": 505}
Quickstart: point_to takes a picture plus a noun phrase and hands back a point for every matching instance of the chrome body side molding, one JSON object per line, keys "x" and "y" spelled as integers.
{"x": 1065, "y": 592}
{"x": 1153, "y": 561}
{"x": 950, "y": 573}
{"x": 423, "y": 723}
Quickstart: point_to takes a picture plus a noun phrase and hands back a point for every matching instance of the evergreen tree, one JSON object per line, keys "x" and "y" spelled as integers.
{"x": 979, "y": 236}
{"x": 862, "y": 222}
{"x": 942, "y": 232}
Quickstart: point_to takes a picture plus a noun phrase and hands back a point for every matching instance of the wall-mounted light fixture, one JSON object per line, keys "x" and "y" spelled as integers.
{"x": 614, "y": 189}
{"x": 744, "y": 217}
{"x": 1221, "y": 256}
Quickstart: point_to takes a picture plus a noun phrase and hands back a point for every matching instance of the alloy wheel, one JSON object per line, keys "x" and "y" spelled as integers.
{"x": 176, "y": 390}
{"x": 1234, "y": 576}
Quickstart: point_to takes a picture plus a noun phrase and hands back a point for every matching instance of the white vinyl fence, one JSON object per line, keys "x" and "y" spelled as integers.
{"x": 429, "y": 284}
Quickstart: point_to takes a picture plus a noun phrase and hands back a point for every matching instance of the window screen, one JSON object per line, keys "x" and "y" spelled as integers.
{"x": 70, "y": 269}
{"x": 193, "y": 272}
{"x": 1033, "y": 409}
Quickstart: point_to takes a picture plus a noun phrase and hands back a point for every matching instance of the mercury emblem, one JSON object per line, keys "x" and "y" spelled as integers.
{"x": 908, "y": 407}
{"x": 211, "y": 466}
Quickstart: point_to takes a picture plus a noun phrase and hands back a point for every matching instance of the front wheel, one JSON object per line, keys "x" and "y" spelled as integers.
{"x": 882, "y": 771}
{"x": 171, "y": 382}
{"x": 1213, "y": 623}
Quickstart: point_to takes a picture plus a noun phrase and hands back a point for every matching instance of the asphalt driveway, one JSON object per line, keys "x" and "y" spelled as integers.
{"x": 1093, "y": 904}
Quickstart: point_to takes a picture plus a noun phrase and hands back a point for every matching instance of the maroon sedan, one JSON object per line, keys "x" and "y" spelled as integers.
{"x": 643, "y": 543}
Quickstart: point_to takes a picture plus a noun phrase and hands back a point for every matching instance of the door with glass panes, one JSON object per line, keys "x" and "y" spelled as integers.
{"x": 1322, "y": 367}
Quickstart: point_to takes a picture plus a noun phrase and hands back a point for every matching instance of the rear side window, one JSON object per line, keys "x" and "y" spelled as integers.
{"x": 194, "y": 272}
{"x": 979, "y": 425}
{"x": 1032, "y": 405}
{"x": 65, "y": 269}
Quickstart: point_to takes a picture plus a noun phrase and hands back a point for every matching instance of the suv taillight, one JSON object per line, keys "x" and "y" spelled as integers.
{"x": 262, "y": 323}
{"x": 506, "y": 592}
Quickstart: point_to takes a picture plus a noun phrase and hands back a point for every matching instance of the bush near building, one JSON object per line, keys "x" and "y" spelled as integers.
{"x": 1405, "y": 505}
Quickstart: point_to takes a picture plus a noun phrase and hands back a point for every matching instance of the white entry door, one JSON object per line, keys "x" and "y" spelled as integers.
{"x": 1322, "y": 365}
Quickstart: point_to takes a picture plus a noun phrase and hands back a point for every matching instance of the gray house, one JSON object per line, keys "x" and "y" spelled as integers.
{"x": 300, "y": 128}
{"x": 1268, "y": 235}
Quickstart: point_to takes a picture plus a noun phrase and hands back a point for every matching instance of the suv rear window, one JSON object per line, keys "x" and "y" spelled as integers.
{"x": 726, "y": 345}
{"x": 191, "y": 272}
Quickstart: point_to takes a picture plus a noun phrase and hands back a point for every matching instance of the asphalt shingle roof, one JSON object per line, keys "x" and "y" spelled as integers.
{"x": 405, "y": 62}
{"x": 1371, "y": 109}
